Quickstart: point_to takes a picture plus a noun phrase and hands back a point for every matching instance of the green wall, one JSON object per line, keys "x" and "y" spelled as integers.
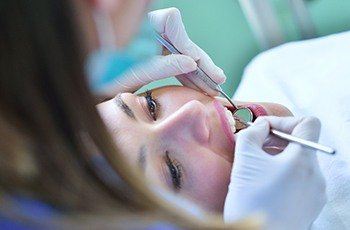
{"x": 328, "y": 16}
{"x": 219, "y": 27}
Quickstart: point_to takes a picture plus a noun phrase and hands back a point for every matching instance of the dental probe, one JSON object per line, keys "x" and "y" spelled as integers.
{"x": 198, "y": 72}
{"x": 213, "y": 85}
{"x": 292, "y": 138}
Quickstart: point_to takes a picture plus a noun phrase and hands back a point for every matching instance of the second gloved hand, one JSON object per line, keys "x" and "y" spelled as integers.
{"x": 287, "y": 188}
{"x": 168, "y": 23}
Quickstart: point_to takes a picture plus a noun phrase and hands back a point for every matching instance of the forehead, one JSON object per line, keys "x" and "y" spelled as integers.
{"x": 119, "y": 125}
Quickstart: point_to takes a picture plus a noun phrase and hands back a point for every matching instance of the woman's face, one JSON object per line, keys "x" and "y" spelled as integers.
{"x": 180, "y": 138}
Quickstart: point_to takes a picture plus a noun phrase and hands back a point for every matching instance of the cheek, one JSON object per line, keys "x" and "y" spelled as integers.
{"x": 274, "y": 109}
{"x": 210, "y": 178}
{"x": 212, "y": 172}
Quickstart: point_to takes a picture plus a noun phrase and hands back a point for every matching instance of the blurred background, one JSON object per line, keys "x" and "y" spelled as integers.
{"x": 232, "y": 32}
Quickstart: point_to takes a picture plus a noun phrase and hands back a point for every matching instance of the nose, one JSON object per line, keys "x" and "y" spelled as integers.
{"x": 188, "y": 123}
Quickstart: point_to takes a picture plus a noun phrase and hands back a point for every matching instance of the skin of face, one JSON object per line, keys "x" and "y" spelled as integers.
{"x": 187, "y": 133}
{"x": 184, "y": 136}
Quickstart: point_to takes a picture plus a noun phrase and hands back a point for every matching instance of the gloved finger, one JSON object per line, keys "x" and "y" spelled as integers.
{"x": 157, "y": 68}
{"x": 274, "y": 144}
{"x": 254, "y": 136}
{"x": 168, "y": 23}
{"x": 308, "y": 129}
{"x": 183, "y": 78}
{"x": 284, "y": 124}
{"x": 194, "y": 82}
{"x": 208, "y": 66}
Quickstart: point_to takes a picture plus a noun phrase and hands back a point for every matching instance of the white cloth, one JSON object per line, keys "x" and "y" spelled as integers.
{"x": 312, "y": 78}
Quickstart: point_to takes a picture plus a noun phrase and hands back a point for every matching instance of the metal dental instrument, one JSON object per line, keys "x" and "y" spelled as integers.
{"x": 303, "y": 142}
{"x": 206, "y": 79}
{"x": 201, "y": 74}
{"x": 213, "y": 85}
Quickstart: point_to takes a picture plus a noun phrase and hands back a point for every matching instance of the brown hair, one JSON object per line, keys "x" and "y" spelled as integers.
{"x": 49, "y": 127}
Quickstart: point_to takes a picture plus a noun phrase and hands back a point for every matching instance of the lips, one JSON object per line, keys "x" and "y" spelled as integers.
{"x": 224, "y": 122}
{"x": 257, "y": 110}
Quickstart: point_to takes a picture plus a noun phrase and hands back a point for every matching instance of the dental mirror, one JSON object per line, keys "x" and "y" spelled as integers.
{"x": 242, "y": 116}
{"x": 244, "y": 113}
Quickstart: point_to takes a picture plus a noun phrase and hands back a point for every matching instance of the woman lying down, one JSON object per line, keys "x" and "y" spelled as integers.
{"x": 186, "y": 141}
{"x": 189, "y": 142}
{"x": 181, "y": 138}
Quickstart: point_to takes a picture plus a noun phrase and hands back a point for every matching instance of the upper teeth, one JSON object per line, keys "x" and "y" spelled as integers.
{"x": 231, "y": 120}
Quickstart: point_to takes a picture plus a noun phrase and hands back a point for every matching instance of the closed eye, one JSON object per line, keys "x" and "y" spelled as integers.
{"x": 175, "y": 171}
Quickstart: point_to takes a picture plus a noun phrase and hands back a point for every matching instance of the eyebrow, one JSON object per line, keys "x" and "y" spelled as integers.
{"x": 141, "y": 158}
{"x": 124, "y": 107}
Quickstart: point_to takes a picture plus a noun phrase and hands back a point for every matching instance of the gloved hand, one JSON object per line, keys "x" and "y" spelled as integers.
{"x": 168, "y": 23}
{"x": 287, "y": 188}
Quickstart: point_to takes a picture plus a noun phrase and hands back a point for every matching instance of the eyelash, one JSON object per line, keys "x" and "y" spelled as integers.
{"x": 152, "y": 105}
{"x": 175, "y": 171}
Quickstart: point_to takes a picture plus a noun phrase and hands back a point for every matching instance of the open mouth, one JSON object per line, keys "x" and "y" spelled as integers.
{"x": 257, "y": 111}
{"x": 230, "y": 123}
